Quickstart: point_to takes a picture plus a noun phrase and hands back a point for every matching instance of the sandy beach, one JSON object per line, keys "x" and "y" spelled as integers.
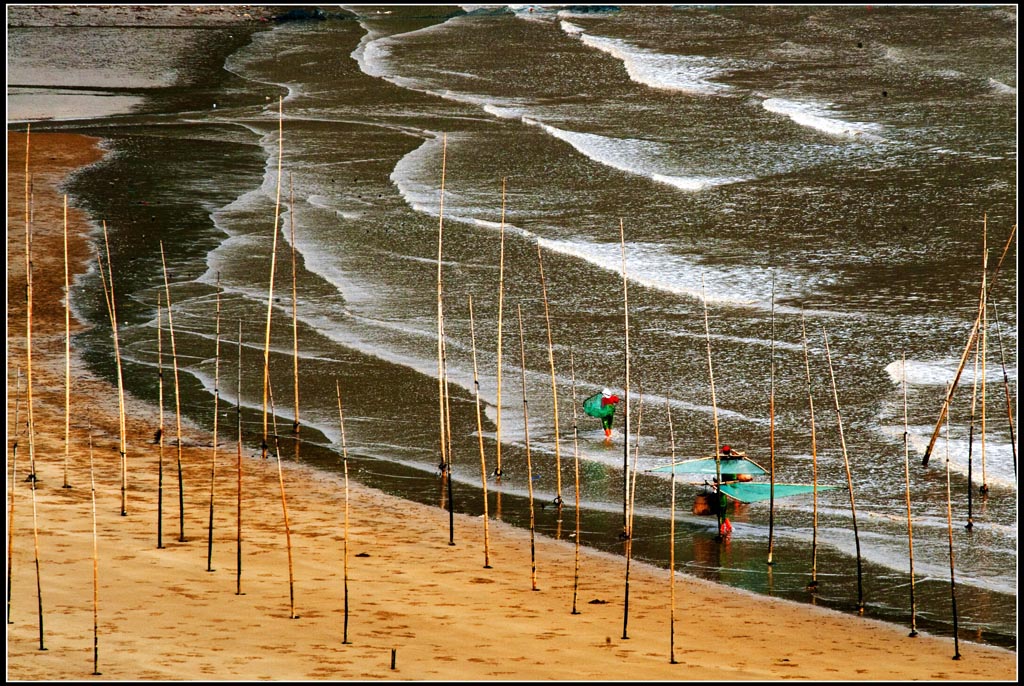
{"x": 418, "y": 608}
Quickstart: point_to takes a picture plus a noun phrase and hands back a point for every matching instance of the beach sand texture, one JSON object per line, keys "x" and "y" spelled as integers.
{"x": 411, "y": 595}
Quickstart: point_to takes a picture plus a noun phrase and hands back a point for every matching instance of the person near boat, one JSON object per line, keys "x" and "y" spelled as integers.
{"x": 602, "y": 406}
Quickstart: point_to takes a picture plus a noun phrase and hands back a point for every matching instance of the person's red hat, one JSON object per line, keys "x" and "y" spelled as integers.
{"x": 726, "y": 448}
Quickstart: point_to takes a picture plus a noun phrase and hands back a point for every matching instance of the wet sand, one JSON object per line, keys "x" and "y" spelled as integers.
{"x": 432, "y": 607}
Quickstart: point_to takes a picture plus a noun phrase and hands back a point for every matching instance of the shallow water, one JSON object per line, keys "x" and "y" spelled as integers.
{"x": 828, "y": 169}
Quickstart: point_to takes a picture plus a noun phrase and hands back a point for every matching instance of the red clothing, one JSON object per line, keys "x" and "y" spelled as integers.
{"x": 611, "y": 400}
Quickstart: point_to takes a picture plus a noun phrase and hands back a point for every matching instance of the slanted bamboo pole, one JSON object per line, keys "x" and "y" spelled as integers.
{"x": 625, "y": 441}
{"x": 576, "y": 462}
{"x": 112, "y": 304}
{"x": 284, "y": 506}
{"x": 344, "y": 461}
{"x": 273, "y": 268}
{"x": 529, "y": 464}
{"x": 480, "y": 437}
{"x": 910, "y": 520}
{"x": 501, "y": 309}
{"x": 849, "y": 477}
{"x": 813, "y": 585}
{"x": 67, "y": 350}
{"x": 295, "y": 306}
{"x": 238, "y": 457}
{"x": 971, "y": 340}
{"x": 719, "y": 505}
{"x": 771, "y": 440}
{"x": 216, "y": 413}
{"x": 95, "y": 571}
{"x": 554, "y": 387}
{"x": 1006, "y": 389}
{"x": 160, "y": 429}
{"x": 672, "y": 545}
{"x": 177, "y": 398}
{"x": 629, "y": 522}
{"x": 13, "y": 482}
{"x": 949, "y": 529}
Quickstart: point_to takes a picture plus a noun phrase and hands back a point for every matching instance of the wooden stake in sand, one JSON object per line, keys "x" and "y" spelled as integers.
{"x": 849, "y": 478}
{"x": 625, "y": 421}
{"x": 273, "y": 267}
{"x": 177, "y": 399}
{"x": 949, "y": 528}
{"x": 672, "y": 545}
{"x": 1006, "y": 388}
{"x": 160, "y": 430}
{"x": 971, "y": 340}
{"x": 719, "y": 505}
{"x": 629, "y": 520}
{"x": 95, "y": 572}
{"x": 576, "y": 462}
{"x": 216, "y": 412}
{"x": 67, "y": 350}
{"x": 554, "y": 387}
{"x": 480, "y": 437}
{"x": 910, "y": 521}
{"x": 344, "y": 461}
{"x": 112, "y": 309}
{"x": 284, "y": 507}
{"x": 529, "y": 464}
{"x": 13, "y": 482}
{"x": 238, "y": 502}
{"x": 501, "y": 309}
{"x": 813, "y": 585}
{"x": 771, "y": 439}
{"x": 295, "y": 305}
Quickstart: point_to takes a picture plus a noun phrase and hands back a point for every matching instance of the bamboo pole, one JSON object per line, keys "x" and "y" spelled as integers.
{"x": 629, "y": 522}
{"x": 529, "y": 464}
{"x": 295, "y": 306}
{"x": 13, "y": 482}
{"x": 501, "y": 310}
{"x": 971, "y": 339}
{"x": 1006, "y": 389}
{"x": 177, "y": 398}
{"x": 970, "y": 442}
{"x": 448, "y": 438}
{"x": 480, "y": 436}
{"x": 849, "y": 478}
{"x": 216, "y": 413}
{"x": 160, "y": 429}
{"x": 95, "y": 571}
{"x": 554, "y": 387}
{"x": 984, "y": 352}
{"x": 771, "y": 440}
{"x": 273, "y": 267}
{"x": 120, "y": 378}
{"x": 625, "y": 442}
{"x": 813, "y": 585}
{"x": 910, "y": 520}
{"x": 344, "y": 456}
{"x": 719, "y": 505}
{"x": 238, "y": 457}
{"x": 440, "y": 312}
{"x": 67, "y": 350}
{"x": 284, "y": 507}
{"x": 949, "y": 528}
{"x": 672, "y": 545}
{"x": 576, "y": 462}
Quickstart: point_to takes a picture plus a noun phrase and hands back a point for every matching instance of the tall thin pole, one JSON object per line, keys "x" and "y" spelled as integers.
{"x": 971, "y": 340}
{"x": 448, "y": 439}
{"x": 625, "y": 442}
{"x": 480, "y": 437}
{"x": 273, "y": 267}
{"x": 440, "y": 311}
{"x": 120, "y": 377}
{"x": 970, "y": 442}
{"x": 949, "y": 528}
{"x": 14, "y": 481}
{"x": 284, "y": 508}
{"x": 813, "y": 585}
{"x": 771, "y": 439}
{"x": 501, "y": 310}
{"x": 910, "y": 520}
{"x": 672, "y": 546}
{"x": 529, "y": 464}
{"x": 576, "y": 462}
{"x": 984, "y": 352}
{"x": 849, "y": 478}
{"x": 160, "y": 430}
{"x": 719, "y": 505}
{"x": 344, "y": 459}
{"x": 629, "y": 525}
{"x": 1006, "y": 388}
{"x": 238, "y": 486}
{"x": 216, "y": 412}
{"x": 177, "y": 399}
{"x": 67, "y": 350}
{"x": 554, "y": 387}
{"x": 95, "y": 572}
{"x": 295, "y": 305}
{"x": 28, "y": 312}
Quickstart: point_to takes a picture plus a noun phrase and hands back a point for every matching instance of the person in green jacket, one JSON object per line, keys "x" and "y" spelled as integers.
{"x": 602, "y": 405}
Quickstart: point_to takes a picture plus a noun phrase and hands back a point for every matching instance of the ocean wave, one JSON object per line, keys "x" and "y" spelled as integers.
{"x": 819, "y": 117}
{"x": 1002, "y": 88}
{"x": 940, "y": 373}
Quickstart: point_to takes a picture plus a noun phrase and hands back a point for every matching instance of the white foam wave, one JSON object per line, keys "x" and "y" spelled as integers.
{"x": 1000, "y": 87}
{"x": 941, "y": 373}
{"x": 820, "y": 117}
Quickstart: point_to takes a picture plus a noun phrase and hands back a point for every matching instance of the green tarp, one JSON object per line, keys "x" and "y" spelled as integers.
{"x": 592, "y": 406}
{"x": 750, "y": 492}
{"x": 706, "y": 465}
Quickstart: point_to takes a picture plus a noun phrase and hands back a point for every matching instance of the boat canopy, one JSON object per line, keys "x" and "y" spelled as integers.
{"x": 730, "y": 466}
{"x": 749, "y": 492}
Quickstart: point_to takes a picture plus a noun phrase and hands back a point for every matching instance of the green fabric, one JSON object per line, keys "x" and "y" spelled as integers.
{"x": 749, "y": 492}
{"x": 706, "y": 465}
{"x": 592, "y": 406}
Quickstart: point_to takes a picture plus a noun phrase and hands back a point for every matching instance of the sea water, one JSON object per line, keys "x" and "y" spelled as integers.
{"x": 769, "y": 180}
